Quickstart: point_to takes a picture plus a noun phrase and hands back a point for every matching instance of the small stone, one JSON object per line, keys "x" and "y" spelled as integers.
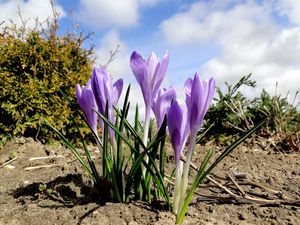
{"x": 26, "y": 182}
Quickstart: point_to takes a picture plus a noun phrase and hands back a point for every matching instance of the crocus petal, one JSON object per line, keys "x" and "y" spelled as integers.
{"x": 106, "y": 93}
{"x": 78, "y": 92}
{"x": 199, "y": 95}
{"x": 160, "y": 73}
{"x": 162, "y": 103}
{"x": 98, "y": 77}
{"x": 117, "y": 90}
{"x": 163, "y": 67}
{"x": 89, "y": 84}
{"x": 188, "y": 86}
{"x": 211, "y": 91}
{"x": 87, "y": 103}
{"x": 152, "y": 63}
{"x": 178, "y": 128}
{"x": 174, "y": 124}
{"x": 138, "y": 66}
{"x": 196, "y": 102}
{"x": 90, "y": 105}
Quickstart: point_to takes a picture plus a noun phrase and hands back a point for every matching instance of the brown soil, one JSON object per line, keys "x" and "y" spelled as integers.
{"x": 21, "y": 201}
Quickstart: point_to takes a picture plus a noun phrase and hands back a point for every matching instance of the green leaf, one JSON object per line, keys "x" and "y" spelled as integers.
{"x": 199, "y": 178}
{"x": 105, "y": 152}
{"x": 72, "y": 148}
{"x": 125, "y": 139}
{"x": 234, "y": 145}
{"x": 202, "y": 173}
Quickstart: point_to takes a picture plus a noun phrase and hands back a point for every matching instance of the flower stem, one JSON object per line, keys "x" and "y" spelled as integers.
{"x": 186, "y": 168}
{"x": 146, "y": 126}
{"x": 146, "y": 133}
{"x": 176, "y": 196}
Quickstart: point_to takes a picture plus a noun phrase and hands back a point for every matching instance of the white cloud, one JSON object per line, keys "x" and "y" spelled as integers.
{"x": 206, "y": 21}
{"x": 290, "y": 9}
{"x": 249, "y": 38}
{"x": 119, "y": 67}
{"x": 113, "y": 13}
{"x": 284, "y": 50}
{"x": 30, "y": 10}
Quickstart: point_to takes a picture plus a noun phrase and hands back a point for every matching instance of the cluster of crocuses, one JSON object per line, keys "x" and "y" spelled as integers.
{"x": 184, "y": 120}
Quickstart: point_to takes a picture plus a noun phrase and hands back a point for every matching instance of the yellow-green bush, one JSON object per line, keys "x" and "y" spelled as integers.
{"x": 34, "y": 65}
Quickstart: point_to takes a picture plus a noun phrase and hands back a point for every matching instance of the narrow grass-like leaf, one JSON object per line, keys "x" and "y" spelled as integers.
{"x": 125, "y": 139}
{"x": 138, "y": 174}
{"x": 121, "y": 125}
{"x": 162, "y": 157}
{"x": 154, "y": 147}
{"x": 116, "y": 189}
{"x": 88, "y": 155}
{"x": 91, "y": 163}
{"x": 74, "y": 108}
{"x": 134, "y": 133}
{"x": 152, "y": 169}
{"x": 160, "y": 136}
{"x": 72, "y": 148}
{"x": 202, "y": 173}
{"x": 105, "y": 154}
{"x": 132, "y": 173}
{"x": 199, "y": 178}
{"x": 234, "y": 145}
{"x": 158, "y": 179}
{"x": 203, "y": 133}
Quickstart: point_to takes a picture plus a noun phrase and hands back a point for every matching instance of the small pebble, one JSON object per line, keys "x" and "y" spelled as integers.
{"x": 26, "y": 182}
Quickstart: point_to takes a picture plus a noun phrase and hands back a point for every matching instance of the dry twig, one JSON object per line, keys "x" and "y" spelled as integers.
{"x": 8, "y": 162}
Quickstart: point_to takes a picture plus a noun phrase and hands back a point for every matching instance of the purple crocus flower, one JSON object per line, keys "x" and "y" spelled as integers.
{"x": 178, "y": 125}
{"x": 149, "y": 74}
{"x": 199, "y": 94}
{"x": 87, "y": 103}
{"x": 106, "y": 93}
{"x": 161, "y": 103}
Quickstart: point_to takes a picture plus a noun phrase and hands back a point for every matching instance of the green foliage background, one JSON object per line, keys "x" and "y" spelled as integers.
{"x": 34, "y": 65}
{"x": 233, "y": 113}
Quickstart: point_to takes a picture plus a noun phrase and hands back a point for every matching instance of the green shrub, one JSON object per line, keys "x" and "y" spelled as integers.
{"x": 233, "y": 113}
{"x": 228, "y": 114}
{"x": 34, "y": 65}
{"x": 286, "y": 117}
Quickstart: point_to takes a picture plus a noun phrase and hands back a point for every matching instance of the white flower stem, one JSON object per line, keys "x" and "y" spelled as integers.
{"x": 178, "y": 177}
{"x": 146, "y": 133}
{"x": 186, "y": 168}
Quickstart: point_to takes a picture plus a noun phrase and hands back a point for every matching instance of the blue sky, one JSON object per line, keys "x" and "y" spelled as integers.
{"x": 225, "y": 39}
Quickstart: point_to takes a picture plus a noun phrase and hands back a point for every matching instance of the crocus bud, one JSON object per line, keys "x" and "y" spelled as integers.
{"x": 106, "y": 93}
{"x": 86, "y": 100}
{"x": 162, "y": 103}
{"x": 199, "y": 94}
{"x": 178, "y": 128}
